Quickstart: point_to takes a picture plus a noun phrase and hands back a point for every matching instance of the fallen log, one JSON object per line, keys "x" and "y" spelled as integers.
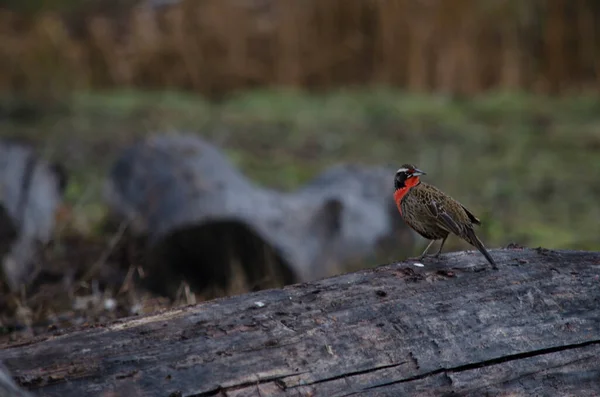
{"x": 452, "y": 327}
{"x": 201, "y": 220}
{"x": 31, "y": 193}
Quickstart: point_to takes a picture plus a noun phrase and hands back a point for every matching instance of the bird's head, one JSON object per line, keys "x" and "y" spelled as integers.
{"x": 407, "y": 176}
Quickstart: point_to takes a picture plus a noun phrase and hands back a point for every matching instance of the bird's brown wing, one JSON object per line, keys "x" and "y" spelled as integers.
{"x": 444, "y": 220}
{"x": 472, "y": 217}
{"x": 448, "y": 214}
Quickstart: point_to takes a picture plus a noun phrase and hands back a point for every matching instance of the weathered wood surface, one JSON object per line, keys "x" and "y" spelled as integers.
{"x": 454, "y": 327}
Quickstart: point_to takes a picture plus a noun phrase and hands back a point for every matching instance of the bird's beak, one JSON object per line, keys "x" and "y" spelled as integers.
{"x": 418, "y": 172}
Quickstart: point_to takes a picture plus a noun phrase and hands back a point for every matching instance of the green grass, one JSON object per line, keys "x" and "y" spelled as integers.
{"x": 529, "y": 165}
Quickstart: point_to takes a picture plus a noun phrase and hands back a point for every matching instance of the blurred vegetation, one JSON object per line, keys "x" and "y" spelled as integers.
{"x": 471, "y": 97}
{"x": 527, "y": 164}
{"x": 218, "y": 46}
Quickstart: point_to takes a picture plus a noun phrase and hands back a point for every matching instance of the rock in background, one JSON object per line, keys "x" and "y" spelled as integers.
{"x": 205, "y": 223}
{"x": 30, "y": 195}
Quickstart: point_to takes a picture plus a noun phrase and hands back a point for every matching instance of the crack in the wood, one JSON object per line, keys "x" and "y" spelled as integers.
{"x": 528, "y": 374}
{"x": 486, "y": 363}
{"x": 220, "y": 389}
{"x": 348, "y": 374}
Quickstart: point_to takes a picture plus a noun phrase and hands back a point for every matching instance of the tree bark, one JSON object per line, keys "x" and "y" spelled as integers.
{"x": 452, "y": 327}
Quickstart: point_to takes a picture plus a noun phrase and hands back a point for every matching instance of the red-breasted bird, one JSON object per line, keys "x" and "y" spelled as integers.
{"x": 432, "y": 213}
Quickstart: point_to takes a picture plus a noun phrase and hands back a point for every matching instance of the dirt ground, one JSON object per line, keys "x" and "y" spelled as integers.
{"x": 83, "y": 282}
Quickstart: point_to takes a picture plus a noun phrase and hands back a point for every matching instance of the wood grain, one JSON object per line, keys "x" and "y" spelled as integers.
{"x": 453, "y": 327}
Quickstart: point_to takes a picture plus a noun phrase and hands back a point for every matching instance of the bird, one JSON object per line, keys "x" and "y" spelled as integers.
{"x": 432, "y": 213}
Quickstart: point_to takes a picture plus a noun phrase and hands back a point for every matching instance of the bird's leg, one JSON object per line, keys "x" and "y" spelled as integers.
{"x": 426, "y": 249}
{"x": 437, "y": 254}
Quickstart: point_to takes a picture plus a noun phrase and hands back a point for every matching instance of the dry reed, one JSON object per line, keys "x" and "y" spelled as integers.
{"x": 217, "y": 46}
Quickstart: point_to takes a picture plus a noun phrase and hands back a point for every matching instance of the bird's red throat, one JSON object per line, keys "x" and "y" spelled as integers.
{"x": 400, "y": 193}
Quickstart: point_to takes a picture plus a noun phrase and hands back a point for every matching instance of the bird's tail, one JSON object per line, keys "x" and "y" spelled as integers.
{"x": 476, "y": 242}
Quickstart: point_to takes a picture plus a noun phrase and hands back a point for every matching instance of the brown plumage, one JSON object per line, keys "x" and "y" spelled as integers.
{"x": 432, "y": 213}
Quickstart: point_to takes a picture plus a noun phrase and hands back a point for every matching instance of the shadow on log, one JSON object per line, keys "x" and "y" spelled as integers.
{"x": 31, "y": 192}
{"x": 215, "y": 243}
{"x": 454, "y": 327}
{"x": 201, "y": 218}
